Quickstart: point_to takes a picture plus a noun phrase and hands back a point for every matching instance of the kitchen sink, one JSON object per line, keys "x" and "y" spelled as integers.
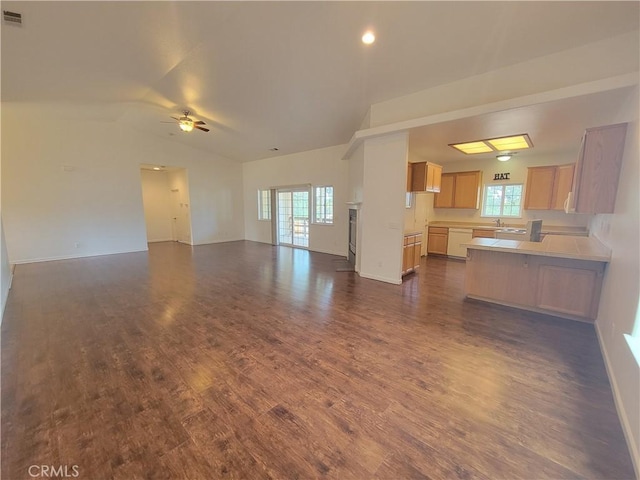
{"x": 512, "y": 230}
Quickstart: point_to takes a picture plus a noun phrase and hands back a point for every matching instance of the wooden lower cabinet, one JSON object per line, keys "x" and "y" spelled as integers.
{"x": 411, "y": 253}
{"x": 480, "y": 232}
{"x": 438, "y": 240}
{"x": 563, "y": 287}
{"x": 568, "y": 290}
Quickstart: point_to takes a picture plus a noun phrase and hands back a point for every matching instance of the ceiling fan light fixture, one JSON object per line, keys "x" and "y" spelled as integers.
{"x": 186, "y": 125}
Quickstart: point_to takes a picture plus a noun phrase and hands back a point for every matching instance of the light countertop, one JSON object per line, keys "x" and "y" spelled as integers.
{"x": 563, "y": 246}
{"x": 546, "y": 229}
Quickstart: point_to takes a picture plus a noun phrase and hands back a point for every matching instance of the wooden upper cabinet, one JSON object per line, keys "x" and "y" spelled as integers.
{"x": 425, "y": 177}
{"x": 595, "y": 182}
{"x": 540, "y": 182}
{"x": 459, "y": 190}
{"x": 548, "y": 187}
{"x": 444, "y": 199}
{"x": 467, "y": 189}
{"x": 562, "y": 185}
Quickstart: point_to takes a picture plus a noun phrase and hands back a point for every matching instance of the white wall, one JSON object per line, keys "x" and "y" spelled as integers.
{"x": 98, "y": 203}
{"x": 619, "y": 309}
{"x": 316, "y": 167}
{"x": 517, "y": 167}
{"x": 157, "y": 205}
{"x": 595, "y": 61}
{"x": 383, "y": 204}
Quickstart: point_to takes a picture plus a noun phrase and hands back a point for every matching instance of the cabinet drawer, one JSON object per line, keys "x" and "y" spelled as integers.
{"x": 483, "y": 233}
{"x": 441, "y": 230}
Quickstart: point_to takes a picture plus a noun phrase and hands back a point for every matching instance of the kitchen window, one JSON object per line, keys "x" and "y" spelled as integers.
{"x": 264, "y": 204}
{"x": 502, "y": 200}
{"x": 323, "y": 205}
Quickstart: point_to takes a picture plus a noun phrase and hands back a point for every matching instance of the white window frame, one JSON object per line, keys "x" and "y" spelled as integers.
{"x": 503, "y": 185}
{"x": 314, "y": 217}
{"x": 261, "y": 209}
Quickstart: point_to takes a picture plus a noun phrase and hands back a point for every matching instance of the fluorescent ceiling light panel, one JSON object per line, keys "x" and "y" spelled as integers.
{"x": 516, "y": 142}
{"x": 472, "y": 147}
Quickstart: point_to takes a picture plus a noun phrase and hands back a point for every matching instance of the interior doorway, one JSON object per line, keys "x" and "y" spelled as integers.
{"x": 293, "y": 217}
{"x": 165, "y": 196}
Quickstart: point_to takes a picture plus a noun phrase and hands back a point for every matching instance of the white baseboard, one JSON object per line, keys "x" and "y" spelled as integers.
{"x": 331, "y": 252}
{"x": 381, "y": 279}
{"x": 624, "y": 420}
{"x": 156, "y": 240}
{"x": 226, "y": 240}
{"x": 70, "y": 257}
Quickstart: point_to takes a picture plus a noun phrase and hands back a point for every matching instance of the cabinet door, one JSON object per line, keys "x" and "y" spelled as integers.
{"x": 598, "y": 171}
{"x": 417, "y": 252}
{"x": 444, "y": 199}
{"x": 568, "y": 290}
{"x": 434, "y": 177}
{"x": 478, "y": 232}
{"x": 506, "y": 277}
{"x": 466, "y": 190}
{"x": 562, "y": 187}
{"x": 438, "y": 243}
{"x": 405, "y": 259}
{"x": 540, "y": 187}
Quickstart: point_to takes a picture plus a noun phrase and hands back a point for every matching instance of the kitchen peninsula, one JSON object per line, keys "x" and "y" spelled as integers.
{"x": 562, "y": 275}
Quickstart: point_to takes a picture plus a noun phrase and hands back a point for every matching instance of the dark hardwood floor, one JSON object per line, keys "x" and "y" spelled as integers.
{"x": 243, "y": 360}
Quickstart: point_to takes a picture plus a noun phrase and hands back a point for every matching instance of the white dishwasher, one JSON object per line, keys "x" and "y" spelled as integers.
{"x": 458, "y": 236}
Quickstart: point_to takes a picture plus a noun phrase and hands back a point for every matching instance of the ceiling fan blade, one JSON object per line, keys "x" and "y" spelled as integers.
{"x": 172, "y": 123}
{"x": 201, "y": 128}
{"x": 175, "y": 118}
{"x": 199, "y": 122}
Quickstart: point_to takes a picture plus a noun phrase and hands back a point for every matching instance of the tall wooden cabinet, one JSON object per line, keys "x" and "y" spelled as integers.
{"x": 595, "y": 181}
{"x": 459, "y": 190}
{"x": 548, "y": 187}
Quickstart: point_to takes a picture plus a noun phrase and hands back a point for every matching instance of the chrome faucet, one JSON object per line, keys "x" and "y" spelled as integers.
{"x": 498, "y": 223}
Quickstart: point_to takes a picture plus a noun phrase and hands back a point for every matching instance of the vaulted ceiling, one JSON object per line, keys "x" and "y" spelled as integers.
{"x": 291, "y": 75}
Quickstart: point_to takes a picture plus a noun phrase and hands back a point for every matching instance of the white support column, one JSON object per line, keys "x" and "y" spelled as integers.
{"x": 382, "y": 213}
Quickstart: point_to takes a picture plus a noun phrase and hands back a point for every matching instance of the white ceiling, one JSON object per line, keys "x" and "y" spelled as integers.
{"x": 292, "y": 75}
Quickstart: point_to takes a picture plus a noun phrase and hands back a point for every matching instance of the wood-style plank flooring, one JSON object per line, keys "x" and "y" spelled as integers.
{"x": 243, "y": 360}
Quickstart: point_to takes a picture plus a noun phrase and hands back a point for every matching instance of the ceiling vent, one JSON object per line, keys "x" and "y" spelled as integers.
{"x": 12, "y": 17}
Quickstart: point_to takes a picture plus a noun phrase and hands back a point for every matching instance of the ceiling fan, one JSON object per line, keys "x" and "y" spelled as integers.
{"x": 187, "y": 124}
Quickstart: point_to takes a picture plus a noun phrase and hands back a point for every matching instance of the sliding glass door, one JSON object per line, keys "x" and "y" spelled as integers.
{"x": 293, "y": 217}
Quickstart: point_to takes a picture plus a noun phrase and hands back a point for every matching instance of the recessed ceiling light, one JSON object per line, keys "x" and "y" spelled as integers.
{"x": 156, "y": 168}
{"x": 514, "y": 142}
{"x": 368, "y": 38}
